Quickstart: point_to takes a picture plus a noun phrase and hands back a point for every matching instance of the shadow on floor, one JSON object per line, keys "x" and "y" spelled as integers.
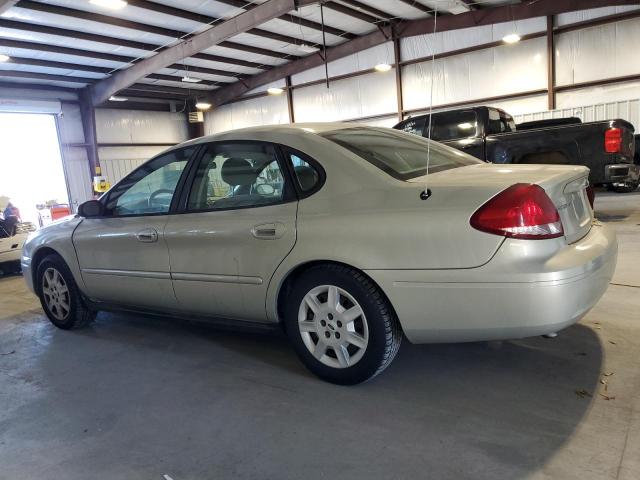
{"x": 196, "y": 402}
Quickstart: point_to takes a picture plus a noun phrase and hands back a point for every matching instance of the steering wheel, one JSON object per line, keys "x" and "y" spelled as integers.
{"x": 153, "y": 196}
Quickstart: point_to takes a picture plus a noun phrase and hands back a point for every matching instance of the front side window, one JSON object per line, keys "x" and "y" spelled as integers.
{"x": 150, "y": 188}
{"x": 237, "y": 175}
{"x": 500, "y": 121}
{"x": 453, "y": 125}
{"x": 412, "y": 125}
{"x": 400, "y": 155}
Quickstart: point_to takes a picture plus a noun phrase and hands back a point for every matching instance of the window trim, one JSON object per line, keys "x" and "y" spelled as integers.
{"x": 286, "y": 151}
{"x": 289, "y": 193}
{"x": 177, "y": 193}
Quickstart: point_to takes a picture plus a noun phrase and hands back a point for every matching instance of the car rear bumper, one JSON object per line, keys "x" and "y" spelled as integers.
{"x": 530, "y": 287}
{"x": 622, "y": 173}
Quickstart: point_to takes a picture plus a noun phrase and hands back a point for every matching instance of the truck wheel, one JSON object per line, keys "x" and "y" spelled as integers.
{"x": 341, "y": 324}
{"x": 626, "y": 187}
{"x": 59, "y": 295}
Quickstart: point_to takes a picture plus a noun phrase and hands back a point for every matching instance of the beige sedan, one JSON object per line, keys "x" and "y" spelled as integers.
{"x": 337, "y": 233}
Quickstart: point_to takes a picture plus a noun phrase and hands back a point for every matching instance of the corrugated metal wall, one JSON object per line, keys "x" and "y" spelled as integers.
{"x": 628, "y": 110}
{"x": 131, "y": 129}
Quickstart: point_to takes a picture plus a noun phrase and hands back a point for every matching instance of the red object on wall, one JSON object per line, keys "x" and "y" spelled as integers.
{"x": 60, "y": 211}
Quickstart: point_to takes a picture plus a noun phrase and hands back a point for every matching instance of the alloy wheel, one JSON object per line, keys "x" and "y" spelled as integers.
{"x": 56, "y": 294}
{"x": 333, "y": 326}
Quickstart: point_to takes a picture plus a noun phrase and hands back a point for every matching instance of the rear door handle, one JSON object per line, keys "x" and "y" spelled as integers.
{"x": 148, "y": 235}
{"x": 268, "y": 231}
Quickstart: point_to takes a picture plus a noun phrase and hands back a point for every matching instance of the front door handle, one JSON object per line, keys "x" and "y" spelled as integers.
{"x": 148, "y": 235}
{"x": 268, "y": 231}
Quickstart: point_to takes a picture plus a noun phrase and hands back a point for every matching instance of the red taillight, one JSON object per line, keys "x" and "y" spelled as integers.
{"x": 613, "y": 140}
{"x": 591, "y": 195}
{"x": 521, "y": 211}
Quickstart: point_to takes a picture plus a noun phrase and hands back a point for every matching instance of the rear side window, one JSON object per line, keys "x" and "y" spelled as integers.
{"x": 453, "y": 125}
{"x": 400, "y": 155}
{"x": 307, "y": 173}
{"x": 500, "y": 122}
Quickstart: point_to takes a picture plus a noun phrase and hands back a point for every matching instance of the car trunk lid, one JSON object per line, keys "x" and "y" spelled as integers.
{"x": 565, "y": 185}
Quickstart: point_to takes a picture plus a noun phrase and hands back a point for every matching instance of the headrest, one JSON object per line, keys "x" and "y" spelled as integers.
{"x": 307, "y": 177}
{"x": 238, "y": 171}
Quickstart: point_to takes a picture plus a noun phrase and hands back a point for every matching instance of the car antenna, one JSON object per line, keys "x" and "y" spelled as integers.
{"x": 427, "y": 191}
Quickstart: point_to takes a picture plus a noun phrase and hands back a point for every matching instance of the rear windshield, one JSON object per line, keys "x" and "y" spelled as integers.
{"x": 454, "y": 125}
{"x": 401, "y": 155}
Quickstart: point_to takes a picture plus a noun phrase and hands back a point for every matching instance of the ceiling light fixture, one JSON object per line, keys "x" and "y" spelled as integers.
{"x": 4, "y": 58}
{"x": 275, "y": 91}
{"x": 189, "y": 79}
{"x": 305, "y": 48}
{"x": 202, "y": 105}
{"x": 110, "y": 4}
{"x": 511, "y": 38}
{"x": 382, "y": 67}
{"x": 115, "y": 98}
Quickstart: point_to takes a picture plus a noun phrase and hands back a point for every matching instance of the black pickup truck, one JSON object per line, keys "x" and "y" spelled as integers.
{"x": 490, "y": 134}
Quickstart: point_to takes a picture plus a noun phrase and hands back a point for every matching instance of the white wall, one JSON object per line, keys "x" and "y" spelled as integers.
{"x": 75, "y": 158}
{"x": 133, "y": 127}
{"x": 584, "y": 55}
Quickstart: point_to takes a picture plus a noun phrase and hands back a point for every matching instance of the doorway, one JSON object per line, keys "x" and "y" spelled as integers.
{"x": 32, "y": 174}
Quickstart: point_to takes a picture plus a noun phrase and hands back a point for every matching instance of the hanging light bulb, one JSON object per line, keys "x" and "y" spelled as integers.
{"x": 511, "y": 38}
{"x": 202, "y": 105}
{"x": 275, "y": 91}
{"x": 382, "y": 67}
{"x": 188, "y": 79}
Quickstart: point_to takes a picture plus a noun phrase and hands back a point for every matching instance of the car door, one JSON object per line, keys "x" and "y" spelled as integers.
{"x": 123, "y": 255}
{"x": 237, "y": 226}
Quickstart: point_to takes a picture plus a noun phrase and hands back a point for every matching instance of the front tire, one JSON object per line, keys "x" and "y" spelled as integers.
{"x": 341, "y": 325}
{"x": 59, "y": 295}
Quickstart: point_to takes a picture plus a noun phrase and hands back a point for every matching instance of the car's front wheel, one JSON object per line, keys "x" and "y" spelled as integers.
{"x": 341, "y": 324}
{"x": 60, "y": 296}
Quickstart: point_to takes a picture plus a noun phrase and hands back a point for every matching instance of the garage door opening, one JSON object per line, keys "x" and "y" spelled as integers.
{"x": 31, "y": 169}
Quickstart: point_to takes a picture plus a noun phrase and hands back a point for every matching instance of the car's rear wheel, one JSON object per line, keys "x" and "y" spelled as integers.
{"x": 341, "y": 324}
{"x": 60, "y": 296}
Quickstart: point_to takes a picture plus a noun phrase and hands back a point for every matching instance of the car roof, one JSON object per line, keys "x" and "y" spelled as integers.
{"x": 292, "y": 128}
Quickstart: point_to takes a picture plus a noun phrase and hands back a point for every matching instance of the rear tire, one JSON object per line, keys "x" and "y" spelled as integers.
{"x": 59, "y": 295}
{"x": 341, "y": 324}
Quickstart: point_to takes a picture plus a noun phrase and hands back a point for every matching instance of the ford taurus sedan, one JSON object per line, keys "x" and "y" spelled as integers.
{"x": 343, "y": 234}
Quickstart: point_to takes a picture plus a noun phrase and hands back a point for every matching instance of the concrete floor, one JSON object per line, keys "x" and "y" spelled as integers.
{"x": 135, "y": 397}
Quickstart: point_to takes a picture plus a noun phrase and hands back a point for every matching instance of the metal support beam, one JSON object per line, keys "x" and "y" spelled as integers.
{"x": 289, "y": 91}
{"x": 487, "y": 16}
{"x": 224, "y": 94}
{"x": 398, "y": 71}
{"x": 142, "y": 27}
{"x": 6, "y": 5}
{"x": 92, "y": 37}
{"x": 551, "y": 65}
{"x": 215, "y": 35}
{"x": 294, "y": 19}
{"x": 88, "y": 114}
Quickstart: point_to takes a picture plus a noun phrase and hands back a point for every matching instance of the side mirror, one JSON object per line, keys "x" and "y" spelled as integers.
{"x": 91, "y": 208}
